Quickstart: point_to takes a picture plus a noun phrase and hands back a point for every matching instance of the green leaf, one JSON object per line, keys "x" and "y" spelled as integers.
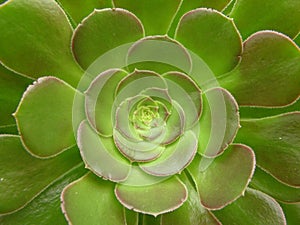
{"x": 137, "y": 177}
{"x": 291, "y": 212}
{"x": 12, "y": 86}
{"x": 23, "y": 177}
{"x": 264, "y": 182}
{"x": 77, "y": 10}
{"x": 99, "y": 100}
{"x": 226, "y": 11}
{"x": 187, "y": 94}
{"x": 254, "y": 208}
{"x": 219, "y": 122}
{"x": 174, "y": 158}
{"x": 160, "y": 54}
{"x": 35, "y": 40}
{"x": 191, "y": 212}
{"x": 254, "y": 15}
{"x": 102, "y": 31}
{"x": 45, "y": 208}
{"x": 9, "y": 129}
{"x": 137, "y": 150}
{"x": 226, "y": 177}
{"x": 151, "y": 220}
{"x": 144, "y": 199}
{"x": 44, "y": 117}
{"x": 136, "y": 82}
{"x": 212, "y": 36}
{"x": 188, "y": 5}
{"x": 297, "y": 40}
{"x": 132, "y": 218}
{"x": 260, "y": 112}
{"x": 276, "y": 143}
{"x": 99, "y": 154}
{"x": 269, "y": 73}
{"x": 91, "y": 200}
{"x": 156, "y": 15}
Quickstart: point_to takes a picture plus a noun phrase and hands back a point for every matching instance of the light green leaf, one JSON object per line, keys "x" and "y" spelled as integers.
{"x": 144, "y": 198}
{"x": 254, "y": 15}
{"x": 254, "y": 208}
{"x": 219, "y": 122}
{"x": 102, "y": 31}
{"x": 160, "y": 54}
{"x": 91, "y": 200}
{"x": 99, "y": 100}
{"x": 187, "y": 94}
{"x": 212, "y": 36}
{"x": 35, "y": 39}
{"x": 226, "y": 177}
{"x": 12, "y": 86}
{"x": 137, "y": 150}
{"x": 23, "y": 177}
{"x": 269, "y": 73}
{"x": 101, "y": 155}
{"x": 156, "y": 15}
{"x": 44, "y": 117}
{"x": 276, "y": 143}
{"x": 264, "y": 182}
{"x": 174, "y": 158}
{"x": 45, "y": 209}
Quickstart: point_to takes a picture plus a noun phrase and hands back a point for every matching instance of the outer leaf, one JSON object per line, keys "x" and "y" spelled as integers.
{"x": 212, "y": 36}
{"x": 144, "y": 199}
{"x": 22, "y": 176}
{"x": 90, "y": 200}
{"x": 219, "y": 122}
{"x": 151, "y": 220}
{"x": 254, "y": 15}
{"x": 276, "y": 142}
{"x": 92, "y": 37}
{"x": 155, "y": 15}
{"x": 269, "y": 73}
{"x": 236, "y": 165}
{"x": 260, "y": 112}
{"x": 12, "y": 86}
{"x": 45, "y": 208}
{"x": 9, "y": 129}
{"x": 188, "y": 5}
{"x": 191, "y": 212}
{"x": 254, "y": 208}
{"x": 132, "y": 218}
{"x": 292, "y": 213}
{"x": 100, "y": 154}
{"x": 100, "y": 99}
{"x": 41, "y": 46}
{"x": 44, "y": 117}
{"x": 77, "y": 10}
{"x": 266, "y": 183}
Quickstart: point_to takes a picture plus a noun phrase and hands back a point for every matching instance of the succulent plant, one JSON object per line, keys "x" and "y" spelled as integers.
{"x": 135, "y": 112}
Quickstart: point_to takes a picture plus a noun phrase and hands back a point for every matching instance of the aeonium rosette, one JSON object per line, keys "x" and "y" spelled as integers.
{"x": 141, "y": 128}
{"x": 149, "y": 112}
